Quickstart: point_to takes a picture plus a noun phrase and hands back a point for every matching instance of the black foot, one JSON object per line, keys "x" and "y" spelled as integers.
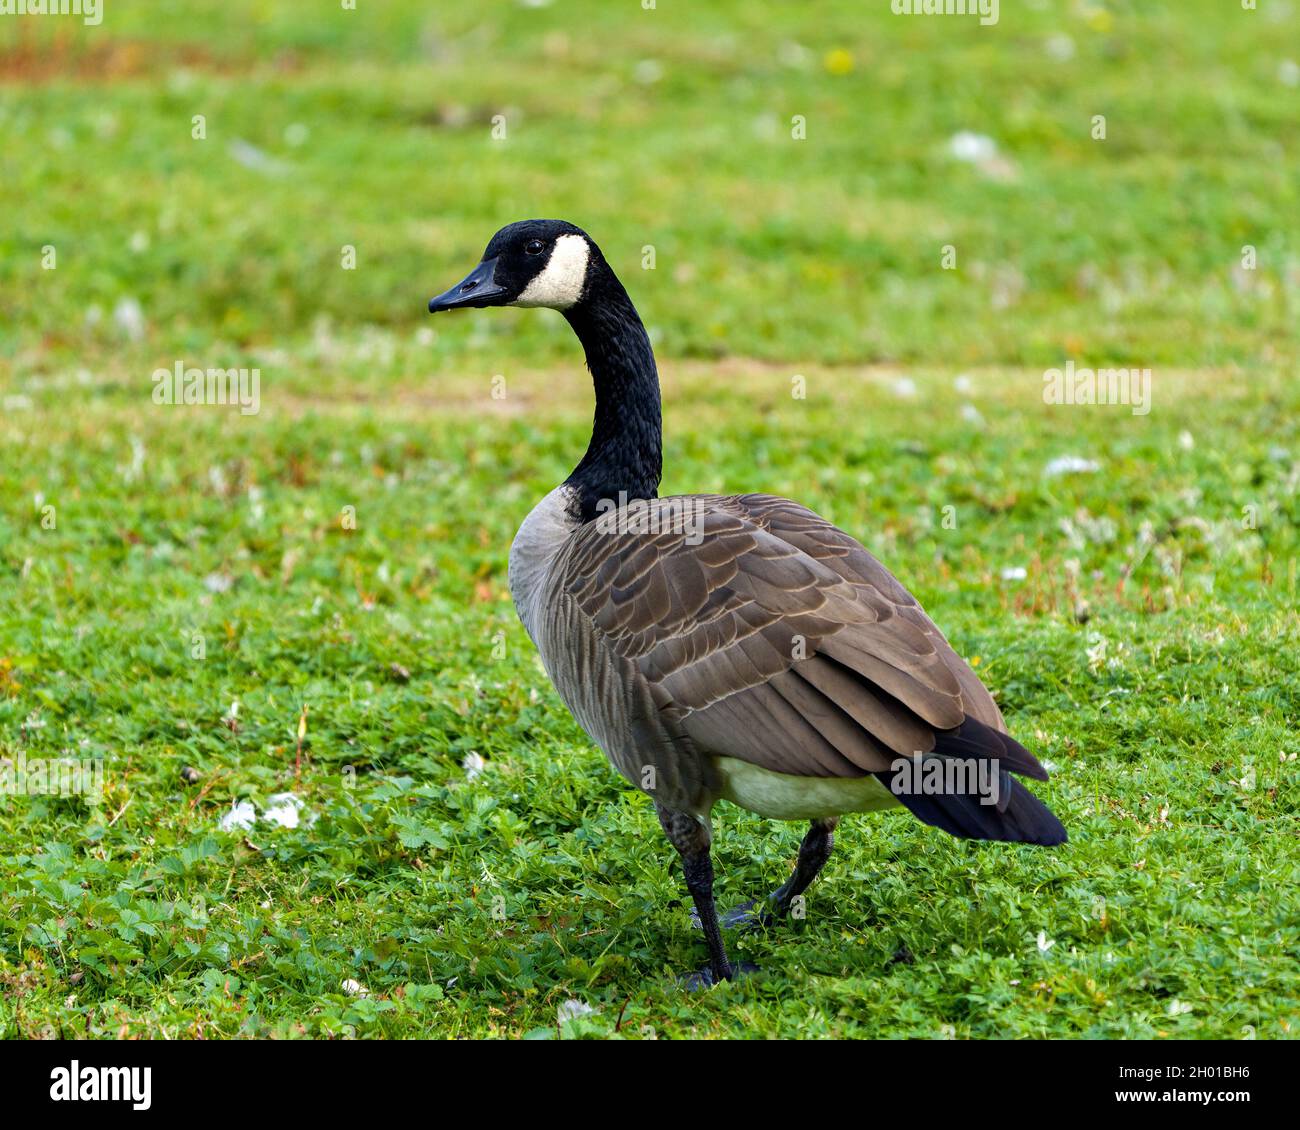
{"x": 747, "y": 915}
{"x": 705, "y": 979}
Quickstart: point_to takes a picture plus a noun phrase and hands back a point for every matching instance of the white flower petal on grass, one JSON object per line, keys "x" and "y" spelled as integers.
{"x": 971, "y": 147}
{"x": 1060, "y": 48}
{"x": 242, "y": 816}
{"x": 251, "y": 157}
{"x": 129, "y": 318}
{"x": 572, "y": 1009}
{"x": 1097, "y": 653}
{"x": 283, "y": 809}
{"x": 132, "y": 471}
{"x": 980, "y": 151}
{"x": 1084, "y": 528}
{"x": 648, "y": 71}
{"x": 1071, "y": 465}
{"x": 795, "y": 55}
{"x": 218, "y": 582}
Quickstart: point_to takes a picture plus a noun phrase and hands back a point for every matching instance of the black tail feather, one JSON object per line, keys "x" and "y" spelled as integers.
{"x": 974, "y": 739}
{"x": 1025, "y": 819}
{"x": 1017, "y": 815}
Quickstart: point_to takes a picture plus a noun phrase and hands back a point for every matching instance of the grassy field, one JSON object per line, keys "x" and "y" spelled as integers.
{"x": 465, "y": 863}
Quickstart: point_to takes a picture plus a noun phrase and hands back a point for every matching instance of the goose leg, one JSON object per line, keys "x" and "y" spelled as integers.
{"x": 813, "y": 854}
{"x": 692, "y": 841}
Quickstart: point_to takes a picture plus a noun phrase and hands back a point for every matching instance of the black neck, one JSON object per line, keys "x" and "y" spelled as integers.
{"x": 624, "y": 459}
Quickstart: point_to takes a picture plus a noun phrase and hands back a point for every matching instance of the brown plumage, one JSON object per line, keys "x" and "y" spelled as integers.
{"x": 781, "y": 623}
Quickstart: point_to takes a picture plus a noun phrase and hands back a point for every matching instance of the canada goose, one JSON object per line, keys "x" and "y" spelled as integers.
{"x": 738, "y": 647}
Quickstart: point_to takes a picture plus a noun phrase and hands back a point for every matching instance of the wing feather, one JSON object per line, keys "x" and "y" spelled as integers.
{"x": 769, "y": 635}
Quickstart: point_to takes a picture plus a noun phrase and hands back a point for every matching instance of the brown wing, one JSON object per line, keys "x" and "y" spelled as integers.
{"x": 834, "y": 548}
{"x": 772, "y": 636}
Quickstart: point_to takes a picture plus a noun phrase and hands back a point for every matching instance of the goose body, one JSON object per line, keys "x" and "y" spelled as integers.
{"x": 652, "y": 746}
{"x": 733, "y": 647}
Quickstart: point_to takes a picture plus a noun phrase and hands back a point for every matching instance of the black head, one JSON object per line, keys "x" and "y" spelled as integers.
{"x": 531, "y": 263}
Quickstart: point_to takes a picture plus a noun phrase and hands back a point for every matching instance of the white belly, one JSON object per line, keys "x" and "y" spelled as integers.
{"x": 783, "y": 797}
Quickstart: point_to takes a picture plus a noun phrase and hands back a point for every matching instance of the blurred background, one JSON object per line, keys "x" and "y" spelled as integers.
{"x": 670, "y": 127}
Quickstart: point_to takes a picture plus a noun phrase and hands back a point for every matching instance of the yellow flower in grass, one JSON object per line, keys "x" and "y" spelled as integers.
{"x": 838, "y": 61}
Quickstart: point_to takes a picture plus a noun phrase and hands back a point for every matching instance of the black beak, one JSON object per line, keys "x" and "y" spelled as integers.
{"x": 475, "y": 289}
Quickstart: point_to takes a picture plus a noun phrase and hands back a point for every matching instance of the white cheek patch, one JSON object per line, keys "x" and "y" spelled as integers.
{"x": 559, "y": 285}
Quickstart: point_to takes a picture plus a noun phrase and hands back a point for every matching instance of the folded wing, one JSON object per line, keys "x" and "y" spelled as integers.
{"x": 771, "y": 636}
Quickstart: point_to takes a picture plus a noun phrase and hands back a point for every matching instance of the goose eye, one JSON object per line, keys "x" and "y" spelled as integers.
{"x": 534, "y": 247}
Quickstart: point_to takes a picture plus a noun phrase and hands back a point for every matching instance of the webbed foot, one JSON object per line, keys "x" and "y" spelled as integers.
{"x": 748, "y": 915}
{"x": 706, "y": 978}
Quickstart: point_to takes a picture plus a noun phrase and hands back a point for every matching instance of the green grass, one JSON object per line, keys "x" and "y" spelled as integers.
{"x": 195, "y": 557}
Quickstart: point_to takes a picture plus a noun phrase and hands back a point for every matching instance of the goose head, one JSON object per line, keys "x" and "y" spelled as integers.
{"x": 529, "y": 263}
